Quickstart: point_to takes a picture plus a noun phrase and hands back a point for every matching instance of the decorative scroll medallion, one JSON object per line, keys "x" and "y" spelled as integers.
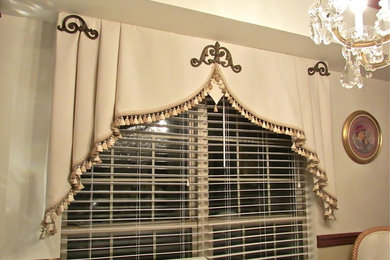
{"x": 73, "y": 27}
{"x": 217, "y": 52}
{"x": 320, "y": 67}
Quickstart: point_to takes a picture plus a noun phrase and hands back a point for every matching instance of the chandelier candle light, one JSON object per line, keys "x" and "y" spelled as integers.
{"x": 362, "y": 45}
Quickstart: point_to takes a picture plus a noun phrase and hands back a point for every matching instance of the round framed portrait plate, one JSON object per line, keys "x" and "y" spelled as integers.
{"x": 362, "y": 137}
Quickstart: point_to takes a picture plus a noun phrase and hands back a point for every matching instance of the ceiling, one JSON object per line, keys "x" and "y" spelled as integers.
{"x": 259, "y": 24}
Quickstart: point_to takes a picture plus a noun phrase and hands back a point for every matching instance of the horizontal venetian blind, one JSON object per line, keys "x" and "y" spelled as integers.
{"x": 202, "y": 184}
{"x": 257, "y": 205}
{"x": 142, "y": 200}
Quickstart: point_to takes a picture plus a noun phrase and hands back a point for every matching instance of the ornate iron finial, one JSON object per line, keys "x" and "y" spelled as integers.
{"x": 73, "y": 27}
{"x": 217, "y": 52}
{"x": 317, "y": 68}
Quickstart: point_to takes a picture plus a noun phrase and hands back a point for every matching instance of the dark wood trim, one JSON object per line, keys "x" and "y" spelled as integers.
{"x": 373, "y": 4}
{"x": 336, "y": 239}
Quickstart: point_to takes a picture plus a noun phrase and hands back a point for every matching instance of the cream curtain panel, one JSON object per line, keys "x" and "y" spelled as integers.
{"x": 131, "y": 75}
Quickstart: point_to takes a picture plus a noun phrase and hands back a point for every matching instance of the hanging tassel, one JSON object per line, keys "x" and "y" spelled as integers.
{"x": 117, "y": 122}
{"x": 97, "y": 159}
{"x": 189, "y": 105}
{"x": 167, "y": 115}
{"x": 53, "y": 215}
{"x": 174, "y": 112}
{"x": 73, "y": 180}
{"x": 99, "y": 147}
{"x": 331, "y": 217}
{"x": 78, "y": 171}
{"x": 112, "y": 141}
{"x": 215, "y": 108}
{"x": 104, "y": 146}
{"x": 140, "y": 120}
{"x": 136, "y": 121}
{"x": 263, "y": 125}
{"x": 88, "y": 165}
{"x": 185, "y": 107}
{"x": 122, "y": 123}
{"x": 158, "y": 118}
{"x": 83, "y": 169}
{"x": 70, "y": 197}
{"x": 149, "y": 119}
{"x": 162, "y": 117}
{"x": 80, "y": 187}
{"x": 60, "y": 209}
{"x": 50, "y": 228}
{"x": 127, "y": 120}
{"x": 48, "y": 219}
{"x": 154, "y": 119}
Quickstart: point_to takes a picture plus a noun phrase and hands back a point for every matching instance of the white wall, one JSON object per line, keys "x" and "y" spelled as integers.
{"x": 26, "y": 71}
{"x": 362, "y": 189}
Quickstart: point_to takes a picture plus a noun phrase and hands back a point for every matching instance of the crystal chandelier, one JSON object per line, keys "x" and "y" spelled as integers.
{"x": 362, "y": 45}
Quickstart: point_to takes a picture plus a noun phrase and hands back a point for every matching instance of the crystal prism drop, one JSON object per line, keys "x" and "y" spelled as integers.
{"x": 315, "y": 36}
{"x": 328, "y": 37}
{"x": 382, "y": 25}
{"x": 340, "y": 5}
{"x": 348, "y": 76}
{"x": 359, "y": 80}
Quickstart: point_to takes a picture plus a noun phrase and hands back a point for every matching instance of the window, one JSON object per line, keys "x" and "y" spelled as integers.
{"x": 207, "y": 184}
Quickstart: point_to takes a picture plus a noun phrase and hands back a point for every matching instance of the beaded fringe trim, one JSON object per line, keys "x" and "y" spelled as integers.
{"x": 298, "y": 137}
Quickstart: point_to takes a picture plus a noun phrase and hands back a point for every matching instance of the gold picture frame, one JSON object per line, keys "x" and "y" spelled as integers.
{"x": 362, "y": 137}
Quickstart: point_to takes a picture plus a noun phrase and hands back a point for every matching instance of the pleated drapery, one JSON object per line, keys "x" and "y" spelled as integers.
{"x": 131, "y": 75}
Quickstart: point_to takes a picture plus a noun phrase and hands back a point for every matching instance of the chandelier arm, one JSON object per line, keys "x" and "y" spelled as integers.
{"x": 360, "y": 44}
{"x": 374, "y": 66}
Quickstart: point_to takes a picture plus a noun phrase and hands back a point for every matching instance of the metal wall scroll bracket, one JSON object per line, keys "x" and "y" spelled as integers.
{"x": 218, "y": 54}
{"x": 81, "y": 26}
{"x": 320, "y": 67}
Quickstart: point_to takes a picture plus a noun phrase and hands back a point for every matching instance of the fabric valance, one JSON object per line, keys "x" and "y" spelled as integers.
{"x": 131, "y": 75}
